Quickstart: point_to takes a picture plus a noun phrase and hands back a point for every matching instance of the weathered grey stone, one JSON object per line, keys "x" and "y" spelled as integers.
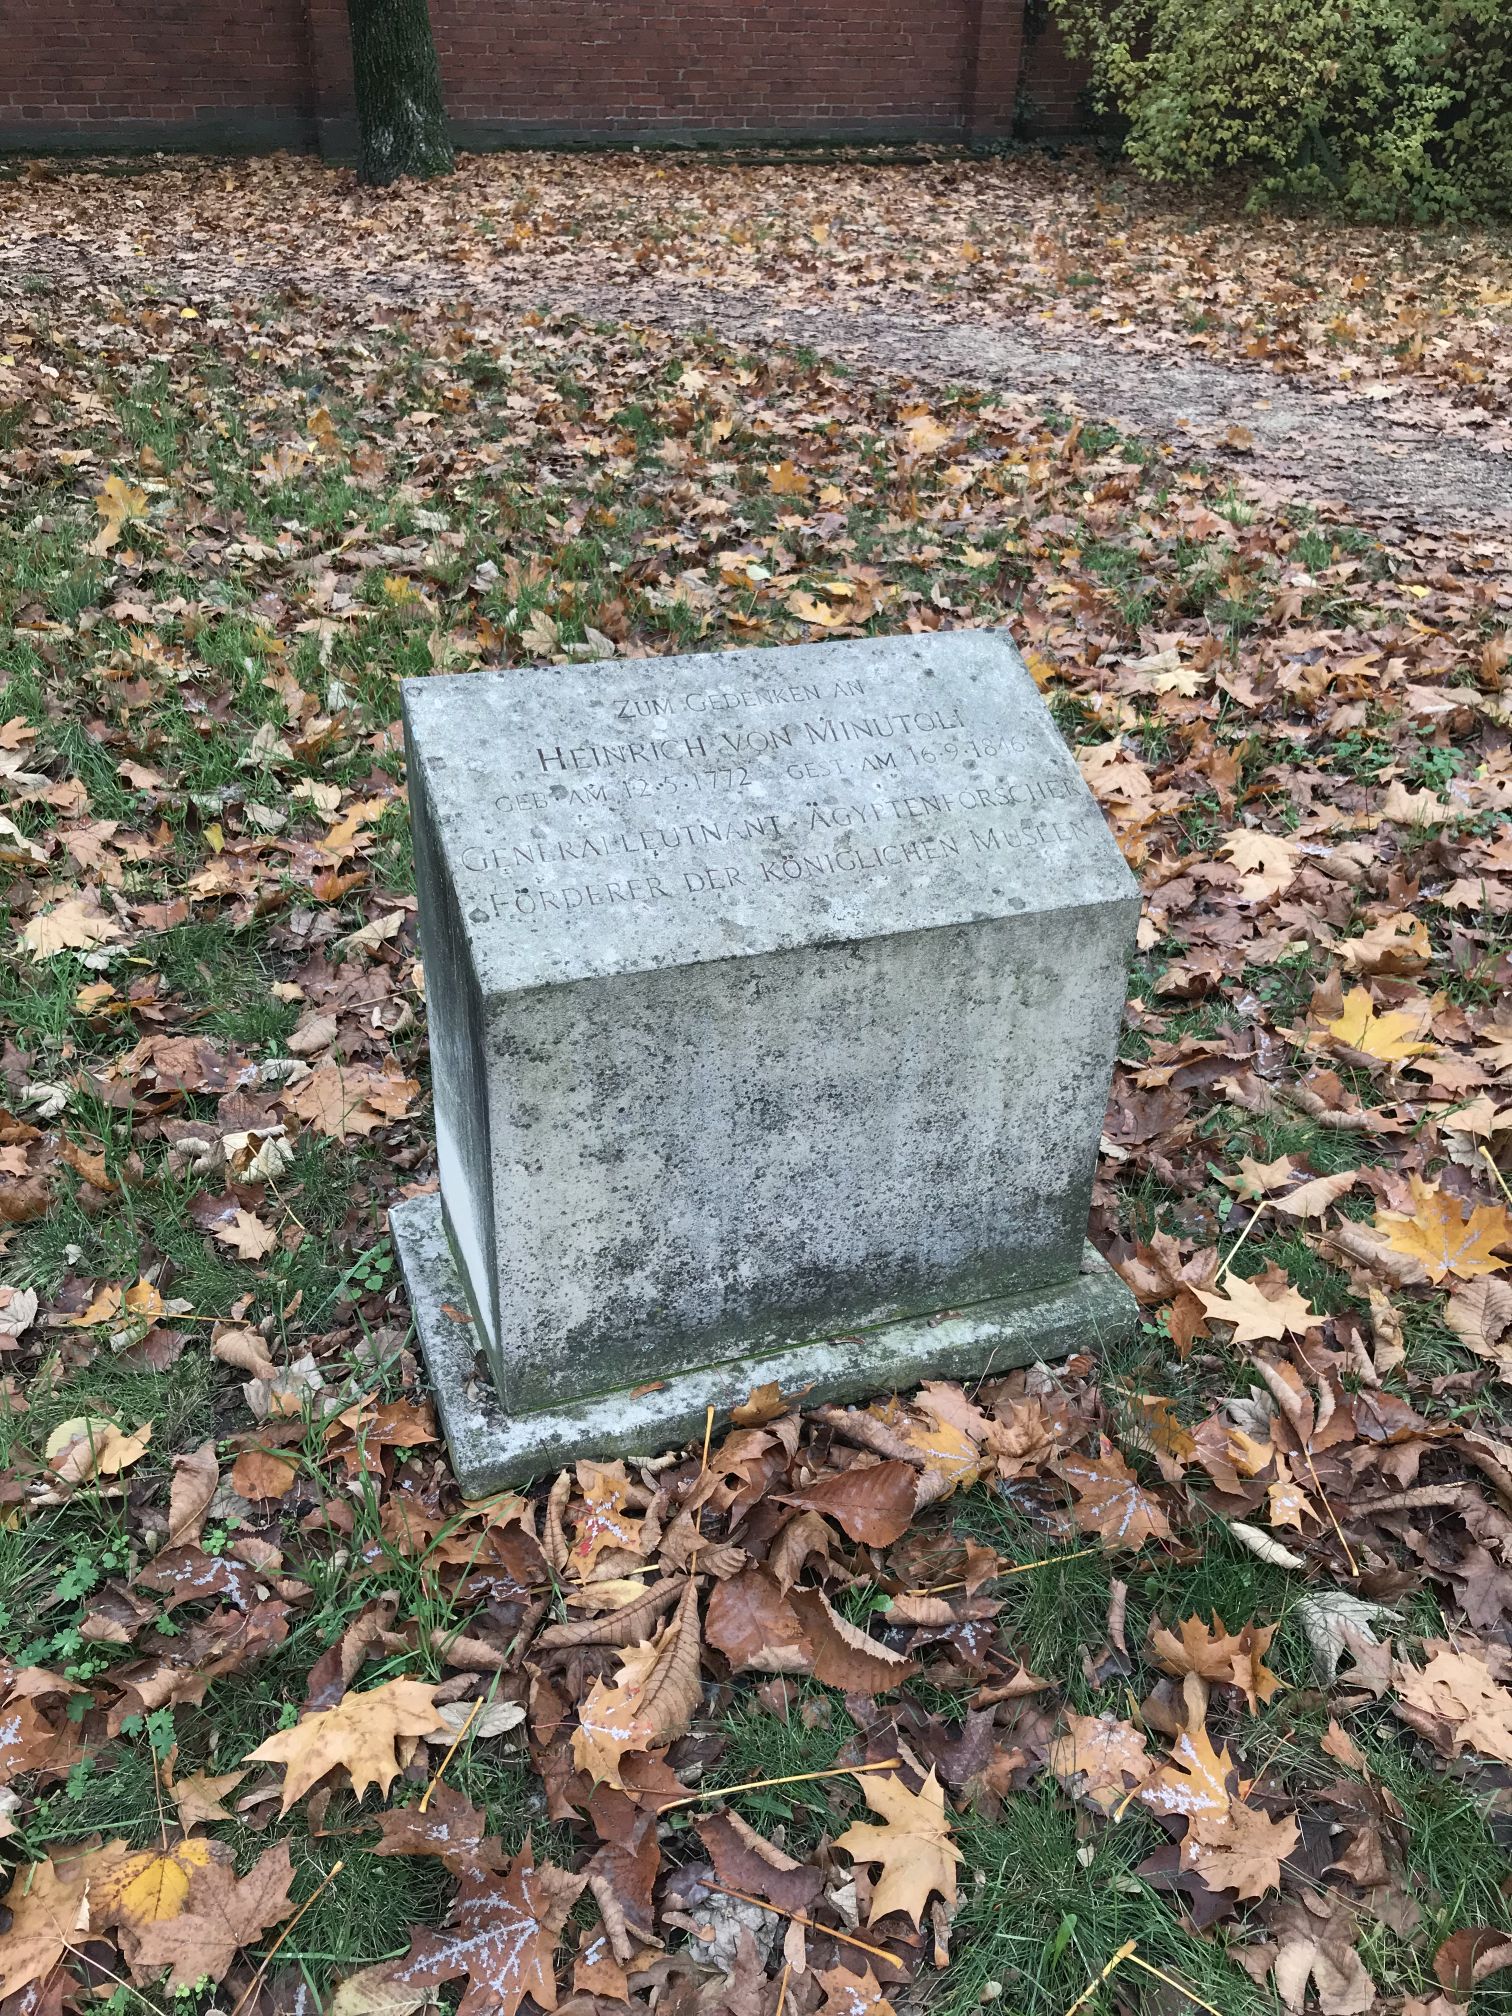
{"x": 490, "y": 1447}
{"x": 773, "y": 996}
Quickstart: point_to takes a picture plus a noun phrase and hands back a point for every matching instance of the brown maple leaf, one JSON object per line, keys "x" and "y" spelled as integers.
{"x": 1111, "y": 1502}
{"x": 502, "y": 1936}
{"x": 913, "y": 1845}
{"x": 71, "y": 926}
{"x": 1233, "y": 1659}
{"x": 1242, "y": 1850}
{"x": 340, "y": 1100}
{"x": 224, "y": 1913}
{"x": 359, "y": 1735}
{"x": 604, "y": 1520}
{"x": 1101, "y": 1758}
{"x": 1458, "y": 1703}
{"x": 451, "y": 1828}
{"x": 1438, "y": 1233}
{"x": 246, "y": 1235}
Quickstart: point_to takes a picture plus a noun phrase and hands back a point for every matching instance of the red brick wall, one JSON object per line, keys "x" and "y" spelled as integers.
{"x": 278, "y": 72}
{"x": 100, "y": 70}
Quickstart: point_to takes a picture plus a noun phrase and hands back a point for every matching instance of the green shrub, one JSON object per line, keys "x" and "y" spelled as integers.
{"x": 1394, "y": 107}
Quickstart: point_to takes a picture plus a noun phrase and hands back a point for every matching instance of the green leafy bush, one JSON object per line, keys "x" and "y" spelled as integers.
{"x": 1395, "y": 107}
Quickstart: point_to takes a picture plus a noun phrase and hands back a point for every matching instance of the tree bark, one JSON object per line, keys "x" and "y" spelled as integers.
{"x": 401, "y": 117}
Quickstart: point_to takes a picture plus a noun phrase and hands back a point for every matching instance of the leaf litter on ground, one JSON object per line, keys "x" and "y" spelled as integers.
{"x": 1230, "y": 1611}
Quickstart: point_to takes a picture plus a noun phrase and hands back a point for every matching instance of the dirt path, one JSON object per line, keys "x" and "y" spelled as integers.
{"x": 1372, "y": 455}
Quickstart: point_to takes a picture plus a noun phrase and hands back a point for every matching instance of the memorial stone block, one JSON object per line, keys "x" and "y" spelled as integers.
{"x": 773, "y": 1001}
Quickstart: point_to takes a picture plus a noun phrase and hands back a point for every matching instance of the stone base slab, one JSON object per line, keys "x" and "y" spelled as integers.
{"x": 490, "y": 1448}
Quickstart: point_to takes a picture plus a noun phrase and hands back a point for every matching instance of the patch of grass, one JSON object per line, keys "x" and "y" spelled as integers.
{"x": 763, "y": 1745}
{"x": 1044, "y": 1910}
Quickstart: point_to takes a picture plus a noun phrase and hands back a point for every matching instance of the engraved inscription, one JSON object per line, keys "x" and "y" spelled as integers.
{"x": 695, "y": 794}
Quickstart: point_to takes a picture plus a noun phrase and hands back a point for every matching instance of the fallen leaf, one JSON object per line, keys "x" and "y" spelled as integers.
{"x": 872, "y": 1503}
{"x": 1111, "y": 1502}
{"x": 89, "y": 1446}
{"x": 224, "y": 1913}
{"x": 1444, "y": 1239}
{"x": 1255, "y": 1314}
{"x": 358, "y": 1735}
{"x": 1232, "y": 1659}
{"x": 501, "y": 1935}
{"x": 247, "y": 1236}
{"x": 913, "y": 1845}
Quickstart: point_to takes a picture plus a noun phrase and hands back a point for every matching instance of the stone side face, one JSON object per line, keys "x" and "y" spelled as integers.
{"x": 268, "y": 73}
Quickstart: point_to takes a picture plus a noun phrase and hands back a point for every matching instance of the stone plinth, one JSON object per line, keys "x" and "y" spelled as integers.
{"x": 773, "y": 1000}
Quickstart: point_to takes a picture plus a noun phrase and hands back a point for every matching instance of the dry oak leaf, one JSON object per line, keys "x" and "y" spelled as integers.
{"x": 502, "y": 1936}
{"x": 871, "y": 1502}
{"x": 344, "y": 1099}
{"x": 48, "y": 1918}
{"x": 1196, "y": 1783}
{"x": 1448, "y": 1243}
{"x": 651, "y": 1702}
{"x": 1457, "y": 1688}
{"x": 913, "y": 1845}
{"x": 1234, "y": 1659}
{"x": 247, "y": 1236}
{"x": 135, "y": 1887}
{"x": 1105, "y": 1754}
{"x": 225, "y": 1913}
{"x": 71, "y": 926}
{"x": 1389, "y": 1037}
{"x": 89, "y": 1446}
{"x": 359, "y": 1734}
{"x": 1256, "y": 1315}
{"x": 1111, "y": 1502}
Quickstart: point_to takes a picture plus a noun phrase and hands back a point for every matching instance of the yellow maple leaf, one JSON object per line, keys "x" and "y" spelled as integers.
{"x": 118, "y": 504}
{"x": 925, "y": 435}
{"x": 1389, "y": 1037}
{"x": 142, "y": 1886}
{"x": 1438, "y": 1233}
{"x": 913, "y": 1845}
{"x": 787, "y": 480}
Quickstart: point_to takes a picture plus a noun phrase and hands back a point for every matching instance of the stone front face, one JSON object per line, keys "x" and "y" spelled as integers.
{"x": 772, "y": 995}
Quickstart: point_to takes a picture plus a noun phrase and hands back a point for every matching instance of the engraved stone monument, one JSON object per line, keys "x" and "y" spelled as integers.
{"x": 773, "y": 1002}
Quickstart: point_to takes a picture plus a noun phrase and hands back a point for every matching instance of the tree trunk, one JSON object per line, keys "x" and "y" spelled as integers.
{"x": 401, "y": 119}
